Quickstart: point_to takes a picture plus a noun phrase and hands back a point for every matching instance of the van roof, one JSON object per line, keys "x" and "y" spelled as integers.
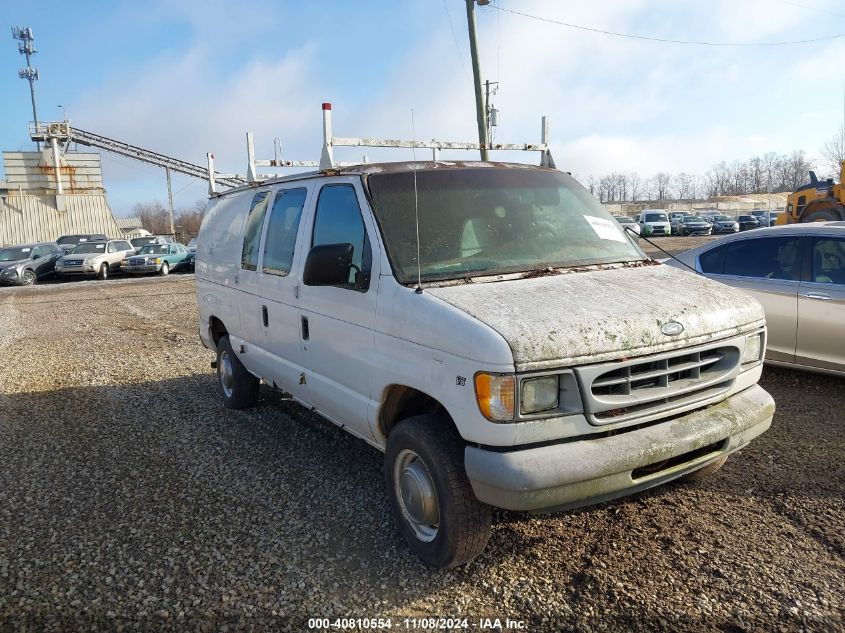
{"x": 366, "y": 169}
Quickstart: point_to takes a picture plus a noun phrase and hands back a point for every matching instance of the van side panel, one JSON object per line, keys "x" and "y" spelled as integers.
{"x": 424, "y": 343}
{"x": 219, "y": 245}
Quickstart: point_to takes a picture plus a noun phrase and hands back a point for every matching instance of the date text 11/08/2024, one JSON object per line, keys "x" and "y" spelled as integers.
{"x": 430, "y": 623}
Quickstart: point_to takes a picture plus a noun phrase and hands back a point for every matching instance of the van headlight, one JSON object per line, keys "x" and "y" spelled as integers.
{"x": 495, "y": 396}
{"x": 538, "y": 394}
{"x": 753, "y": 351}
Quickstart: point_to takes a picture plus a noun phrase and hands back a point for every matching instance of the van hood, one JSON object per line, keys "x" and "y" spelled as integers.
{"x": 599, "y": 315}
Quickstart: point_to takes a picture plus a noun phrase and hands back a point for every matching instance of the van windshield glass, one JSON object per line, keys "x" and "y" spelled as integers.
{"x": 655, "y": 217}
{"x": 487, "y": 221}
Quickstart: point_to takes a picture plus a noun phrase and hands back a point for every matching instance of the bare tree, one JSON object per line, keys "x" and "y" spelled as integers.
{"x": 154, "y": 217}
{"x": 833, "y": 151}
{"x": 188, "y": 220}
{"x": 684, "y": 186}
{"x": 660, "y": 183}
{"x": 636, "y": 185}
{"x": 798, "y": 166}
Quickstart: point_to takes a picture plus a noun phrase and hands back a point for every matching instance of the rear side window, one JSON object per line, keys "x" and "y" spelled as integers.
{"x": 829, "y": 261}
{"x": 252, "y": 230}
{"x": 280, "y": 241}
{"x": 711, "y": 261}
{"x": 339, "y": 221}
{"x": 763, "y": 258}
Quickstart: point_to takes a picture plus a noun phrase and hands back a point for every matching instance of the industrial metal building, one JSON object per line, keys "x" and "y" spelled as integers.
{"x": 39, "y": 202}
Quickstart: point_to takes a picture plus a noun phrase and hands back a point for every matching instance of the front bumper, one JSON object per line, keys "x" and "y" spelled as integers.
{"x": 151, "y": 268}
{"x": 584, "y": 472}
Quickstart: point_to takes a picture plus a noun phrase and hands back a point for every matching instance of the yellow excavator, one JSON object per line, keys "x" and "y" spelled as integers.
{"x": 817, "y": 201}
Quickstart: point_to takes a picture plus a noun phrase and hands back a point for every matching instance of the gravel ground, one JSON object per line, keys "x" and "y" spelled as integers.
{"x": 131, "y": 500}
{"x": 673, "y": 245}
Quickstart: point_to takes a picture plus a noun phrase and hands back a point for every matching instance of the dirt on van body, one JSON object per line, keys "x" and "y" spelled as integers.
{"x": 130, "y": 499}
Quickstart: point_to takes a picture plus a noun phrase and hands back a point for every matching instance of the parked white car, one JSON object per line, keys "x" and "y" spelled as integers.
{"x": 516, "y": 350}
{"x": 654, "y": 222}
{"x": 95, "y": 258}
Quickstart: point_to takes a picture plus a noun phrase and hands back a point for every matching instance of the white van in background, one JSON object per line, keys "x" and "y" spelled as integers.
{"x": 489, "y": 326}
{"x": 655, "y": 222}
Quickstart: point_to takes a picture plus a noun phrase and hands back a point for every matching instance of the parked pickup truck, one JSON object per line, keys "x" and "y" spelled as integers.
{"x": 516, "y": 350}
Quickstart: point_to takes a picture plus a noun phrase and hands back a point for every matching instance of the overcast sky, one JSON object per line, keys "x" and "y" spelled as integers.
{"x": 187, "y": 77}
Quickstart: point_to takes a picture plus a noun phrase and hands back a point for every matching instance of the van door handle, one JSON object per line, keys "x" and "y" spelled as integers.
{"x": 304, "y": 329}
{"x": 264, "y": 316}
{"x": 817, "y": 295}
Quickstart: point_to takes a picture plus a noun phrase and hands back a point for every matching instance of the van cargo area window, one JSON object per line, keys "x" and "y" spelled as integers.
{"x": 489, "y": 221}
{"x": 339, "y": 221}
{"x": 252, "y": 230}
{"x": 282, "y": 228}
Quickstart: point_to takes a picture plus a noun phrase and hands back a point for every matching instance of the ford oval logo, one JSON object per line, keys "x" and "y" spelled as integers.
{"x": 672, "y": 328}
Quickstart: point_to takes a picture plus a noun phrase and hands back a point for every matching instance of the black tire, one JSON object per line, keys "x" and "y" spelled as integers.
{"x": 164, "y": 270}
{"x": 463, "y": 522}
{"x": 703, "y": 473}
{"x": 29, "y": 278}
{"x": 237, "y": 387}
{"x": 825, "y": 214}
{"x": 103, "y": 273}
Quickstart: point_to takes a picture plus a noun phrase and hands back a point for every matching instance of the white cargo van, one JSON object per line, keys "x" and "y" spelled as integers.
{"x": 515, "y": 350}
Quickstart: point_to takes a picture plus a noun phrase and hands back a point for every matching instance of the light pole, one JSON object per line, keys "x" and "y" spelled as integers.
{"x": 480, "y": 106}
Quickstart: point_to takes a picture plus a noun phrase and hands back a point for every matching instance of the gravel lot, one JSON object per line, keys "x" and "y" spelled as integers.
{"x": 131, "y": 500}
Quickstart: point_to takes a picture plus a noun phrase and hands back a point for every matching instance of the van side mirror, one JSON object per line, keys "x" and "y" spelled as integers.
{"x": 328, "y": 265}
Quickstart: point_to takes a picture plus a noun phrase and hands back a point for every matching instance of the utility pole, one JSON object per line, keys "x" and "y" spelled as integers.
{"x": 480, "y": 105}
{"x": 26, "y": 47}
{"x": 492, "y": 113}
{"x": 170, "y": 200}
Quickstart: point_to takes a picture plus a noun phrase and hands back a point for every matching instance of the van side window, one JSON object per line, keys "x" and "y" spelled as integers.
{"x": 252, "y": 230}
{"x": 339, "y": 221}
{"x": 281, "y": 231}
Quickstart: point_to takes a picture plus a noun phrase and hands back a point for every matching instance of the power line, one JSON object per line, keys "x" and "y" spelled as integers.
{"x": 668, "y": 40}
{"x": 455, "y": 39}
{"x": 812, "y": 8}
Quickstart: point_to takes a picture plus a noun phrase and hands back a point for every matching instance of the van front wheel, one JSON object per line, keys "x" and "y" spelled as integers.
{"x": 237, "y": 387}
{"x": 431, "y": 498}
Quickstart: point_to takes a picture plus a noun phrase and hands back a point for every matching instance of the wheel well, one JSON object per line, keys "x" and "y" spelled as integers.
{"x": 216, "y": 329}
{"x": 402, "y": 402}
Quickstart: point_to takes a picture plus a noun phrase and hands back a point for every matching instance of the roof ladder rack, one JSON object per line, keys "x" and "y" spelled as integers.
{"x": 330, "y": 141}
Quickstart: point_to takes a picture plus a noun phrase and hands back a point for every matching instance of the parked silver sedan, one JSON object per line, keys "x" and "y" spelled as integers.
{"x": 797, "y": 273}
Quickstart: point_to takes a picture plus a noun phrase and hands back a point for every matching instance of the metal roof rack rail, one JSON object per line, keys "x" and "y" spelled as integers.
{"x": 330, "y": 141}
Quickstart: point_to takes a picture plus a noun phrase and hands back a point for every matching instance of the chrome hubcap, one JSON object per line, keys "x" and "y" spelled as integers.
{"x": 417, "y": 495}
{"x": 28, "y": 278}
{"x": 224, "y": 371}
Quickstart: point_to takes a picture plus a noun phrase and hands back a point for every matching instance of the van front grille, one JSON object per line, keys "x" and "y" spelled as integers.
{"x": 643, "y": 387}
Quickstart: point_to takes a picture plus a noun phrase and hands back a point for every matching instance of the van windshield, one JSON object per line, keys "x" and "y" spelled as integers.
{"x": 655, "y": 217}
{"x": 490, "y": 220}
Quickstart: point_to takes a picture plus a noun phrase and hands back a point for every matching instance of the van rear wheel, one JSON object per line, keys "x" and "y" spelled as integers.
{"x": 432, "y": 500}
{"x": 237, "y": 387}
